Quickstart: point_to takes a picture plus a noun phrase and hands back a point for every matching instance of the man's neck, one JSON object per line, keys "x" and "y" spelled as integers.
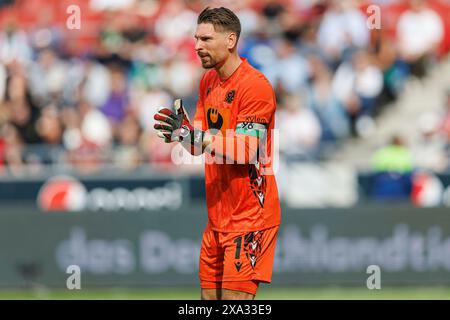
{"x": 229, "y": 67}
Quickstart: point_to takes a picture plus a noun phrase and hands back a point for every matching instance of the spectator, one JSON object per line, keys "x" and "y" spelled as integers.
{"x": 44, "y": 33}
{"x": 2, "y": 149}
{"x": 126, "y": 154}
{"x": 3, "y": 77}
{"x": 148, "y": 103}
{"x": 289, "y": 70}
{"x": 300, "y": 130}
{"x": 13, "y": 150}
{"x": 110, "y": 4}
{"x": 249, "y": 18}
{"x": 343, "y": 27}
{"x": 420, "y": 31}
{"x": 14, "y": 45}
{"x": 392, "y": 166}
{"x": 180, "y": 76}
{"x": 259, "y": 49}
{"x": 21, "y": 109}
{"x": 48, "y": 125}
{"x": 95, "y": 126}
{"x": 444, "y": 127}
{"x": 116, "y": 104}
{"x": 357, "y": 85}
{"x": 395, "y": 157}
{"x": 324, "y": 103}
{"x": 47, "y": 76}
{"x": 89, "y": 148}
{"x": 309, "y": 45}
{"x": 94, "y": 97}
{"x": 96, "y": 83}
{"x": 430, "y": 150}
{"x": 175, "y": 25}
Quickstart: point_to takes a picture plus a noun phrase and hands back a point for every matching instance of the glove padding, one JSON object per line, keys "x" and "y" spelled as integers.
{"x": 173, "y": 126}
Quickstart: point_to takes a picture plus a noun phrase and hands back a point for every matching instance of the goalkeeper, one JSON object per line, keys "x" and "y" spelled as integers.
{"x": 236, "y": 109}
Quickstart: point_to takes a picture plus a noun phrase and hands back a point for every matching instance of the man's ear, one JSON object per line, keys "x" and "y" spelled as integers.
{"x": 231, "y": 40}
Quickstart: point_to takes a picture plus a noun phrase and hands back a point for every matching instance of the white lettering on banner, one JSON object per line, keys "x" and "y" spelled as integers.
{"x": 169, "y": 196}
{"x": 157, "y": 252}
{"x": 97, "y": 256}
{"x": 402, "y": 251}
{"x": 65, "y": 193}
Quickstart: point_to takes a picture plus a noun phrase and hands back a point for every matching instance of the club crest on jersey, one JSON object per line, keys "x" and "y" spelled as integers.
{"x": 230, "y": 96}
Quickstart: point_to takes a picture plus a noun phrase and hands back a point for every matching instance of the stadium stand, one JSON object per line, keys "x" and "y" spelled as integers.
{"x": 83, "y": 100}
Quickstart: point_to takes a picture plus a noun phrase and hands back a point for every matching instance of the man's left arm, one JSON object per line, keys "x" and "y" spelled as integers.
{"x": 252, "y": 124}
{"x": 242, "y": 146}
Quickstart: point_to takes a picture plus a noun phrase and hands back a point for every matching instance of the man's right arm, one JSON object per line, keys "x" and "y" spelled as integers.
{"x": 176, "y": 126}
{"x": 195, "y": 146}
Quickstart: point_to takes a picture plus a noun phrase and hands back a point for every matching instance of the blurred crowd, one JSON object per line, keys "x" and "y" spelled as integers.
{"x": 84, "y": 99}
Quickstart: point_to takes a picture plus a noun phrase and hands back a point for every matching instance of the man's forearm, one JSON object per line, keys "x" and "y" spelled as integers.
{"x": 195, "y": 145}
{"x": 239, "y": 149}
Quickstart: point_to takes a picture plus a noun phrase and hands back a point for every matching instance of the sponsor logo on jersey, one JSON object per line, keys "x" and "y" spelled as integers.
{"x": 256, "y": 119}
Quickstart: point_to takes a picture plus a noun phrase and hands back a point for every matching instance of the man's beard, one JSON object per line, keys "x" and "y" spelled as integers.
{"x": 209, "y": 64}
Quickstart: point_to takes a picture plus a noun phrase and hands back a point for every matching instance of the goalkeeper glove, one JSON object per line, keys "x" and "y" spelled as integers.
{"x": 176, "y": 126}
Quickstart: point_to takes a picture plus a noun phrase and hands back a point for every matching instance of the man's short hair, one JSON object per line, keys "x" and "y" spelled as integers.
{"x": 223, "y": 19}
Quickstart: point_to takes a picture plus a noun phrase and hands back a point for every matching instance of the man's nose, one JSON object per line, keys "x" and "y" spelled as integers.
{"x": 198, "y": 45}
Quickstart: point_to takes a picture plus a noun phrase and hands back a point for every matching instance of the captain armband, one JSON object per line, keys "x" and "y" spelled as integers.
{"x": 257, "y": 130}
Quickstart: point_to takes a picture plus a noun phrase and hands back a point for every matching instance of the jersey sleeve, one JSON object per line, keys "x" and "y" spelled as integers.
{"x": 257, "y": 104}
{"x": 257, "y": 108}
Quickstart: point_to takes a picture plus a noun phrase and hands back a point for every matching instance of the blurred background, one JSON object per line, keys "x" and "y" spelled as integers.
{"x": 363, "y": 93}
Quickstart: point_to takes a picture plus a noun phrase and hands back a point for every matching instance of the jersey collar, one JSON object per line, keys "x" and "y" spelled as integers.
{"x": 240, "y": 67}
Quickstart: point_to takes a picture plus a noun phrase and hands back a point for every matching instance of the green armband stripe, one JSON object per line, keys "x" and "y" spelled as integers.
{"x": 250, "y": 129}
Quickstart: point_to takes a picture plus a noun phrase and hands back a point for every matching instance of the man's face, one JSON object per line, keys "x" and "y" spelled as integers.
{"x": 212, "y": 47}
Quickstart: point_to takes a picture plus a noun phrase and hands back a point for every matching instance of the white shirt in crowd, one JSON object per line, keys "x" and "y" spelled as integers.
{"x": 341, "y": 29}
{"x": 418, "y": 32}
{"x": 366, "y": 83}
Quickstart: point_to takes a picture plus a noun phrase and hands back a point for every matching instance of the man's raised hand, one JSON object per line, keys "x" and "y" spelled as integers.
{"x": 173, "y": 126}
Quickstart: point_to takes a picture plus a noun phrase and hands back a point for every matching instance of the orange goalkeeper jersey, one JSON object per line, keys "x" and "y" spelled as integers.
{"x": 239, "y": 197}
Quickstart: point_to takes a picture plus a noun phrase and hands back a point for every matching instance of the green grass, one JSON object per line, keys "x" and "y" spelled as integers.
{"x": 264, "y": 293}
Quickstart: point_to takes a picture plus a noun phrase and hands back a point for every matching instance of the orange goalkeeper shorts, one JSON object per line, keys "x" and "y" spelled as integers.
{"x": 237, "y": 261}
